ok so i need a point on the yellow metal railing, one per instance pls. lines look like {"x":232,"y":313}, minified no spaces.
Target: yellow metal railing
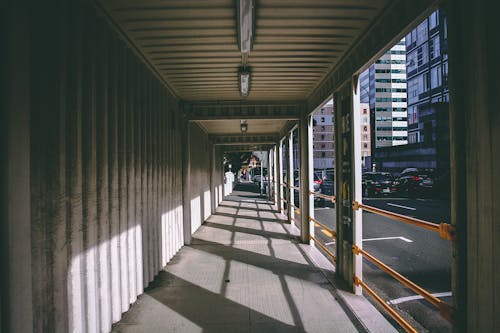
{"x":445,"y":231}
{"x":331,"y":198}
{"x":390,"y":310}
{"x":324,"y":248}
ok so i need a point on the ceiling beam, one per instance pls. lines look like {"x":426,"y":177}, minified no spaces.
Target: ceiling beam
{"x":242,"y":110}
{"x":244,"y":139}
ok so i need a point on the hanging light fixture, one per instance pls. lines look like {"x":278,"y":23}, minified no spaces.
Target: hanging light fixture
{"x":243,"y":126}
{"x":244,"y":82}
{"x":245,"y":25}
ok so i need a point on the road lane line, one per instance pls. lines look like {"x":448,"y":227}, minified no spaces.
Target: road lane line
{"x":415,"y":297}
{"x":404,"y":239}
{"x":330,"y":243}
{"x":401,"y":206}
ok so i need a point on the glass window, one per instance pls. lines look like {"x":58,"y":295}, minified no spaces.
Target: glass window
{"x":422,"y":33}
{"x":434,"y":48}
{"x":433,"y":20}
{"x":435,"y":77}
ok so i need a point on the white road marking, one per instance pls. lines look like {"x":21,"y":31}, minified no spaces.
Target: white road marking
{"x":412,"y":298}
{"x":384,"y":238}
{"x":400,"y":206}
{"x":330,"y":243}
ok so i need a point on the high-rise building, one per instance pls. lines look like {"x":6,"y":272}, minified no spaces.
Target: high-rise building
{"x":383,"y":86}
{"x":427,"y":76}
{"x":323,"y":151}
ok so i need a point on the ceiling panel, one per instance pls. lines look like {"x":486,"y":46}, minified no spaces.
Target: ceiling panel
{"x":193,"y":45}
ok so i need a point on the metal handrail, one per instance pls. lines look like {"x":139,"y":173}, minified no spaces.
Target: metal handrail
{"x":444,"y":309}
{"x":324,"y":248}
{"x":391,"y":311}
{"x":334,"y":234}
{"x":332,"y":198}
{"x":445,"y":230}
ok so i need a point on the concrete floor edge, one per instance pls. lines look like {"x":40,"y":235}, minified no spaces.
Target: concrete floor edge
{"x":365,"y":317}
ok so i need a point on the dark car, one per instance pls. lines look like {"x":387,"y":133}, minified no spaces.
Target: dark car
{"x":415,"y":182}
{"x":326,"y":187}
{"x":316,"y":188}
{"x":377,"y":183}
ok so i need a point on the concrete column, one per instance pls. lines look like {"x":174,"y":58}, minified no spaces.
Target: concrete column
{"x":279,"y":176}
{"x":306,"y":177}
{"x":212,"y":177}
{"x":289,"y":160}
{"x":276,"y":180}
{"x":475,"y":177}
{"x":356,"y":178}
{"x":347,"y":181}
{"x":270,"y":178}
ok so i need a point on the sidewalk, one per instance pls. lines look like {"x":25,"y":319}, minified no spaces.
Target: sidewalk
{"x":244,"y":272}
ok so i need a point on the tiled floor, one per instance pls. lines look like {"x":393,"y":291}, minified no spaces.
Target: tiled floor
{"x":244,"y":272}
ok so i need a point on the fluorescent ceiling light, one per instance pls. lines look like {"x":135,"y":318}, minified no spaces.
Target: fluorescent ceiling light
{"x":245,"y":25}
{"x":243,"y":126}
{"x":244,"y":83}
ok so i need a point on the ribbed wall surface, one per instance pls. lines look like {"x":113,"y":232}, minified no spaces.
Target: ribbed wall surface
{"x":106,"y":191}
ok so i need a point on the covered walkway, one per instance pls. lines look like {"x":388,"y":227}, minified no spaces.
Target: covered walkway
{"x":245,"y":271}
{"x":116,"y":120}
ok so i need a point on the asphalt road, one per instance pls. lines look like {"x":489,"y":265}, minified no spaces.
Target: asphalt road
{"x":420,"y":255}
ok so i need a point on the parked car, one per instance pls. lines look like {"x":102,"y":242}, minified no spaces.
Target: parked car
{"x":316,"y":188}
{"x":377,"y":183}
{"x":326,"y":187}
{"x":256,"y":179}
{"x":415,"y":182}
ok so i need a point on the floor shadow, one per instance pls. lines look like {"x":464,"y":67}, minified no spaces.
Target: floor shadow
{"x":264,"y":219}
{"x":263,"y":233}
{"x":248,"y":208}
{"x":210,"y":311}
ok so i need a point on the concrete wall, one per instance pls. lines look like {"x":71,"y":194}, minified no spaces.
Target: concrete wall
{"x":94,"y":180}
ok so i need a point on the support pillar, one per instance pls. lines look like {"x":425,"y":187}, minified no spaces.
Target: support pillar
{"x":277,"y":178}
{"x":281,"y":180}
{"x":306,"y":177}
{"x":348,"y":181}
{"x":475,"y":177}
{"x":290,"y":180}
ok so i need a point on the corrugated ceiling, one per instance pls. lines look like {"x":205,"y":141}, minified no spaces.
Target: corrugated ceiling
{"x":193,"y":43}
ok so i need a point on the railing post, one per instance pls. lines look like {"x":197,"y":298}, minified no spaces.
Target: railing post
{"x":306,"y":178}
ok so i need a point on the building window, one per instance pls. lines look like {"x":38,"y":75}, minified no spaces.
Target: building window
{"x":322,"y":119}
{"x":433,"y":20}
{"x":365,"y":145}
{"x":322,"y":137}
{"x":365,"y":128}
{"x":435,"y":77}
{"x":434,"y":48}
{"x":323,"y":154}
